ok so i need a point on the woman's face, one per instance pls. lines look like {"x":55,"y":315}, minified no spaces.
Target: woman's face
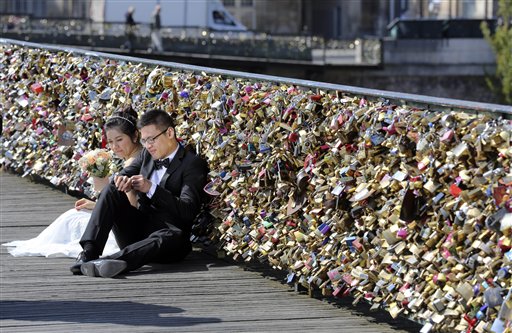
{"x":121,"y":144}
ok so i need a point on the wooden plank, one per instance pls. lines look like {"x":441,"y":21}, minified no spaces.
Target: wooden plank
{"x":201,"y":294}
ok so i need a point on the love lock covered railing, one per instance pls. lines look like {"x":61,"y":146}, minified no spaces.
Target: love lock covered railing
{"x":399,"y":200}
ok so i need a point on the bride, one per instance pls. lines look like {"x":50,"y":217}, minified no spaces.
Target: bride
{"x":61,"y":238}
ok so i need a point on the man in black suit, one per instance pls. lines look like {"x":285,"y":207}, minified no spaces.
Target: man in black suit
{"x":169,"y":181}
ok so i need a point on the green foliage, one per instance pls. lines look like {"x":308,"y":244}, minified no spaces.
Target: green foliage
{"x":501,"y":43}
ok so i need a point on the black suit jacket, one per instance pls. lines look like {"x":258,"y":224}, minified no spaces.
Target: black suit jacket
{"x":179,"y":195}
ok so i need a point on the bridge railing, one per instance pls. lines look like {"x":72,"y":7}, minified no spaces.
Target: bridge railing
{"x":416,"y":100}
{"x":200,"y":40}
{"x":391,"y":198}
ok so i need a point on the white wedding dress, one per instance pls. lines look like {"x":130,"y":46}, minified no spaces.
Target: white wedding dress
{"x":60,"y":239}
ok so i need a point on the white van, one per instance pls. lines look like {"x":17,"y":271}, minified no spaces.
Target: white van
{"x":210,"y":14}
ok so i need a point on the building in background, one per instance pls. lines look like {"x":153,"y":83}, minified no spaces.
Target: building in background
{"x":275,"y":17}
{"x":341,"y":19}
{"x":336,"y":19}
{"x":442,"y":9}
{"x":78,"y":9}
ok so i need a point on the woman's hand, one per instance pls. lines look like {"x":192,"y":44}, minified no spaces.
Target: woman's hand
{"x":123,"y":183}
{"x":84,"y":204}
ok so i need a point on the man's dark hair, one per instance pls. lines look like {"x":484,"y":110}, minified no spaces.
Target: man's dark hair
{"x":159,"y":118}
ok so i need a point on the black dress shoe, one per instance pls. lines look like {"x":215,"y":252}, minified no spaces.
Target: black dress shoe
{"x":83,"y":257}
{"x":107,"y":268}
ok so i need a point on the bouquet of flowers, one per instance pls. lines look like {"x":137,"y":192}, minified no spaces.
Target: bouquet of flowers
{"x":97,"y":163}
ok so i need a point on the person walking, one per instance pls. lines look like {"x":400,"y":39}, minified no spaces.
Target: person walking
{"x":129,"y":30}
{"x":156,"y":25}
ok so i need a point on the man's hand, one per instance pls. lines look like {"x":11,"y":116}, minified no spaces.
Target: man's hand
{"x":123,"y":183}
{"x":141,"y":184}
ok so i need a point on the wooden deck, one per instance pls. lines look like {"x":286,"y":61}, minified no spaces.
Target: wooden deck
{"x":202,"y":294}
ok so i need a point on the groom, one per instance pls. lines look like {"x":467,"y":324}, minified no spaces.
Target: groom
{"x":169,"y":181}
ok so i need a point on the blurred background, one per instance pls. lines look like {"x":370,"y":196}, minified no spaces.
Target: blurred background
{"x":427,"y":47}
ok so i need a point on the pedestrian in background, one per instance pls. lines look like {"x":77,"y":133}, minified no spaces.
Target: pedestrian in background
{"x":156,"y":38}
{"x":129,"y":29}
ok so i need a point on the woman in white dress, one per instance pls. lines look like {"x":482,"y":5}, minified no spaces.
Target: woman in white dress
{"x":61,"y":238}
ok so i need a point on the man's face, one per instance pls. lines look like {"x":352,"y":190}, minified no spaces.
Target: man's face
{"x":159,"y":142}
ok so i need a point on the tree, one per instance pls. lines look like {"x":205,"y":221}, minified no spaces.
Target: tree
{"x":501,"y":43}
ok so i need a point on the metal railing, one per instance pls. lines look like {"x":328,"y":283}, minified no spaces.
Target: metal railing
{"x":420,"y":101}
{"x":414,"y":100}
{"x":199,"y":40}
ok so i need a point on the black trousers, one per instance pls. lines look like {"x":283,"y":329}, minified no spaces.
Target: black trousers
{"x":141,"y":238}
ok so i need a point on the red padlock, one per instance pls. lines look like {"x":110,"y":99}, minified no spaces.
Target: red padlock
{"x":504,"y":244}
{"x":455,"y":190}
{"x":293,"y":137}
{"x":86,"y":117}
{"x":37,"y":88}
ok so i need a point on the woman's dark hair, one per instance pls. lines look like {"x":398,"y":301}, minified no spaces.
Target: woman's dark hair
{"x":124,"y":120}
{"x":159,"y":118}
